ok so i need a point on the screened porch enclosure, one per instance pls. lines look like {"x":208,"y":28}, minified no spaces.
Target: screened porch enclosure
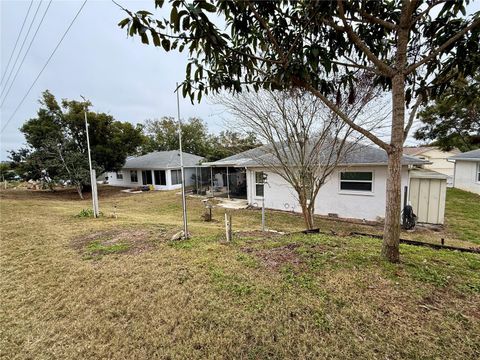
{"x":228,"y":182}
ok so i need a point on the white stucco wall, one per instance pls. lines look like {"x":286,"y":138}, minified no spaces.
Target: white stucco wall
{"x":466,"y":176}
{"x":126,"y":182}
{"x":346,"y":204}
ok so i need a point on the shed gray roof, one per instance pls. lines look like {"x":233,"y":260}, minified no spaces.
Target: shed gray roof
{"x":162,"y":160}
{"x":360,"y":154}
{"x":473,"y":155}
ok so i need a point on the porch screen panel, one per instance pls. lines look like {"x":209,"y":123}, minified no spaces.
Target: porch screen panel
{"x":176,"y":177}
{"x":159,"y":177}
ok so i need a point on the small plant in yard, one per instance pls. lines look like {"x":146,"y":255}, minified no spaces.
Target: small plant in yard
{"x":87,"y":213}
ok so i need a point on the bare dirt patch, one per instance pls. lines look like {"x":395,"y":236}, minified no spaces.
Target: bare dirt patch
{"x":276,"y":257}
{"x":119,"y":241}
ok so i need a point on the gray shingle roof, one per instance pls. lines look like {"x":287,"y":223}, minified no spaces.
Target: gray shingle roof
{"x":473,"y":155}
{"x":360,"y":154}
{"x":162,"y":160}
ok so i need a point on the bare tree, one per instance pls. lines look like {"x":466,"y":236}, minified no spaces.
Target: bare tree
{"x":304,"y":140}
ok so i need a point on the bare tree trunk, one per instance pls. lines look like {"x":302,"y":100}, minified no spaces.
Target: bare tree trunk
{"x":307,"y":213}
{"x":79,"y":190}
{"x":391,"y":237}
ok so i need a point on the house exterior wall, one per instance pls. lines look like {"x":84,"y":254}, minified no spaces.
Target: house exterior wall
{"x":126,"y":181}
{"x":439,"y":161}
{"x":466,"y":176}
{"x":330,"y":200}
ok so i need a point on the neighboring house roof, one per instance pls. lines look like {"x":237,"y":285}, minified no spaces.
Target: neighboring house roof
{"x":418,"y":150}
{"x":359,"y":154}
{"x":473,"y":155}
{"x":162,"y":160}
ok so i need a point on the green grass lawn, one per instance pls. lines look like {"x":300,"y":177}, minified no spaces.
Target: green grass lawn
{"x":463,"y":215}
{"x":82,"y":288}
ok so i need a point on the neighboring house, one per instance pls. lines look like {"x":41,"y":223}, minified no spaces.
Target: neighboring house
{"x":356,"y":189}
{"x":161,"y":169}
{"x":438,"y":159}
{"x":467,"y":171}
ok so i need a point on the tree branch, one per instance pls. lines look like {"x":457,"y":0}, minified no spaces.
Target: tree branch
{"x":412,"y":116}
{"x":384,"y":68}
{"x":441,"y":48}
{"x":345,"y":118}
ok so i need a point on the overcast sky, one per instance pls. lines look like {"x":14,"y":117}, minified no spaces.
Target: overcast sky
{"x":119,"y":75}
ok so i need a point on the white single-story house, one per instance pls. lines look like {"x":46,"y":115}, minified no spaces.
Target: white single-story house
{"x":161,"y":169}
{"x":467,"y":171}
{"x":438,"y":159}
{"x":356,"y":189}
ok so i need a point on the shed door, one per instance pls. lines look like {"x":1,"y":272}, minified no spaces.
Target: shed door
{"x":427,"y":197}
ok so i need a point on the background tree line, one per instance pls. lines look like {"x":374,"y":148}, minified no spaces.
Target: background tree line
{"x":162,"y":134}
{"x":56,"y":144}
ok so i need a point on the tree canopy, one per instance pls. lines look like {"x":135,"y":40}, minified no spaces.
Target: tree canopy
{"x":57,"y":144}
{"x":453,"y":119}
{"x":162,"y":134}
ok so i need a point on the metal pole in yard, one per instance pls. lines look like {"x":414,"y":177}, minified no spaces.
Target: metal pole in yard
{"x":92,"y":176}
{"x":184,"y":200}
{"x":263,"y":212}
{"x":228,"y":185}
{"x":211,"y":182}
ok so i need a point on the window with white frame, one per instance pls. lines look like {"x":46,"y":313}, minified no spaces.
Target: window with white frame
{"x":119,"y":175}
{"x":259,"y":183}
{"x":356,"y":181}
{"x":478,"y":172}
{"x":176,"y":177}
{"x":133,"y":176}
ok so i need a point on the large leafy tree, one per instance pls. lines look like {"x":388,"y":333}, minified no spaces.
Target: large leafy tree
{"x":230,"y":142}
{"x":162,"y":135}
{"x":407,"y":46}
{"x":453,"y":119}
{"x":57,"y":143}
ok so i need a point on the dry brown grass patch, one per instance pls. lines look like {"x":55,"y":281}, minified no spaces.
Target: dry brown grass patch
{"x":119,"y":241}
{"x":276,"y":258}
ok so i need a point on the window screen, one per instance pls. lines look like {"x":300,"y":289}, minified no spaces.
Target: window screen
{"x":176,"y":177}
{"x":159,"y":177}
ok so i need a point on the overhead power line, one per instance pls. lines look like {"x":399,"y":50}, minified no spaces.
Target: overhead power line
{"x":21,"y":47}
{"x":44,"y":66}
{"x":16,"y":41}
{"x":25,"y":55}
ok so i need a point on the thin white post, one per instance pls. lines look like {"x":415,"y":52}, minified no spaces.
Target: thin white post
{"x":93,"y":179}
{"x":263,"y":212}
{"x":228,"y":227}
{"x":184,"y":200}
{"x":228,"y":185}
{"x":211,"y":182}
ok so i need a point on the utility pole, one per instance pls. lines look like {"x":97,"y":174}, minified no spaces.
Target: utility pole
{"x":184,"y":200}
{"x":93,"y":177}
